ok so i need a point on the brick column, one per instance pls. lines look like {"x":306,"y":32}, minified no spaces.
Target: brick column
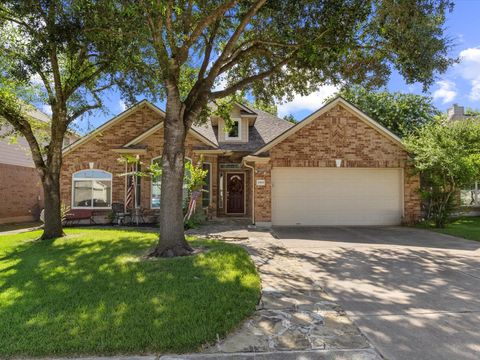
{"x":263,"y":194}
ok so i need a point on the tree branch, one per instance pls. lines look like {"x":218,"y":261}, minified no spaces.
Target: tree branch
{"x":246,"y":81}
{"x":234,"y":38}
{"x":198,"y":30}
{"x":208,"y":51}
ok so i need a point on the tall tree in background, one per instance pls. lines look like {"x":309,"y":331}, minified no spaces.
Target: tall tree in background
{"x":47,"y":57}
{"x":270,"y":49}
{"x":399,"y":112}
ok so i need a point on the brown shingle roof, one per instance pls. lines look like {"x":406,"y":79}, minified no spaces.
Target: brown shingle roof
{"x":266,"y":128}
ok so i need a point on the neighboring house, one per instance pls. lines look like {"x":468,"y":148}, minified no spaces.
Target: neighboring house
{"x":336,"y":167}
{"x":21,"y":193}
{"x":468,"y":199}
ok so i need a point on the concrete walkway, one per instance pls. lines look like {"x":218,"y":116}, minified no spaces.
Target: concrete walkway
{"x":295,"y":318}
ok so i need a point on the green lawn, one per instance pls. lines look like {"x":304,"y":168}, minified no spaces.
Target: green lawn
{"x":92,"y":292}
{"x":467,"y":227}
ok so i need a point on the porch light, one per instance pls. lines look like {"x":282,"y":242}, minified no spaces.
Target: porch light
{"x":91,"y":165}
{"x":338,"y":162}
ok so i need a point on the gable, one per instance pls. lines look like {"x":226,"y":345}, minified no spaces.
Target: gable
{"x":128,"y":128}
{"x":122,"y":128}
{"x":337,"y":102}
{"x":338,"y":134}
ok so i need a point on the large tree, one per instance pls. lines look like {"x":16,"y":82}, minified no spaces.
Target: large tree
{"x":269,"y":49}
{"x":47,"y":57}
{"x":401,"y":113}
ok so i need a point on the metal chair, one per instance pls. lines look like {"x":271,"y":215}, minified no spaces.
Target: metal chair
{"x":118,"y":213}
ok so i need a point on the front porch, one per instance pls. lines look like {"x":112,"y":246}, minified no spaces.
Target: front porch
{"x":135,"y":200}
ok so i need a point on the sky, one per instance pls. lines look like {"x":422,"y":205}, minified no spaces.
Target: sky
{"x":460,"y":84}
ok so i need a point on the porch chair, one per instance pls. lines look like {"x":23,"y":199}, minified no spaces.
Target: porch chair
{"x":118,"y":211}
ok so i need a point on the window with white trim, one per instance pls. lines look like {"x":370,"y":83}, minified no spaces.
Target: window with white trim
{"x":471,"y":195}
{"x":157,"y":186}
{"x":92,"y":189}
{"x":235,"y":131}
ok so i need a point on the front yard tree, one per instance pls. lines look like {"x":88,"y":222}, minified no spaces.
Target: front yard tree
{"x":47,"y":57}
{"x":447,"y":155}
{"x":197,"y":52}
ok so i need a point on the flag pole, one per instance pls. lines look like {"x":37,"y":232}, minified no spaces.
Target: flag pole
{"x":136,"y":179}
{"x":125,"y":192}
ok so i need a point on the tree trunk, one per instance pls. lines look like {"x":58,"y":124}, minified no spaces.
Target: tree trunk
{"x":52,"y":216}
{"x":172,"y":237}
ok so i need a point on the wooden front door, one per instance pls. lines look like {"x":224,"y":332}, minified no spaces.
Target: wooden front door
{"x":236,"y":193}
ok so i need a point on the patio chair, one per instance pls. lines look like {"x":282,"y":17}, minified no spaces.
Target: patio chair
{"x":118,"y":211}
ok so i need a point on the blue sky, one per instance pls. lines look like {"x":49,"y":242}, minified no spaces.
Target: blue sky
{"x":461,"y":83}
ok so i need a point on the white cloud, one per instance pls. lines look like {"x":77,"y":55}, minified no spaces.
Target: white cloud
{"x":446,"y":91}
{"x":122,"y":105}
{"x":469,"y":69}
{"x":310,"y":102}
{"x":475,"y":91}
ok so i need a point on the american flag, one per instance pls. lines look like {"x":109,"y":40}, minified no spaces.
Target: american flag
{"x":130,"y":189}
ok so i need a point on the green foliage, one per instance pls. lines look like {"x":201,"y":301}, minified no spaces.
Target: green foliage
{"x":94,"y":293}
{"x":472,"y":112}
{"x":401,"y":113}
{"x":64,"y":210}
{"x":195,"y":176}
{"x":447,"y":155}
{"x":267,"y":105}
{"x":276,"y":49}
{"x":198,"y":218}
{"x":290,"y":118}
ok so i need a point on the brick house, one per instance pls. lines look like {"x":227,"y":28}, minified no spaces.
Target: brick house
{"x":336,"y":167}
{"x":21,"y":192}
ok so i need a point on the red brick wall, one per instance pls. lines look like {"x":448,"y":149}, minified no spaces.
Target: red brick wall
{"x":263,"y":203}
{"x":98,"y":151}
{"x":21,"y":193}
{"x":338,"y":134}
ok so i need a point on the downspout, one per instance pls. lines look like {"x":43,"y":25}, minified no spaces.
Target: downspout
{"x":253,"y":189}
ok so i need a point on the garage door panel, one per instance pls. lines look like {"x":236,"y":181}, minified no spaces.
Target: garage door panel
{"x":332,"y":196}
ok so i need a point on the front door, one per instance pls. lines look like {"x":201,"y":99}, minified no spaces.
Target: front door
{"x":235,"y":193}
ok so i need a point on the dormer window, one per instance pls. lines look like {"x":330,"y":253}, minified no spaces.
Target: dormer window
{"x":235,"y":130}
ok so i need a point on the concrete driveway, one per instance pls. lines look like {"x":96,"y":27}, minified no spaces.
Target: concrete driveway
{"x":414,"y":293}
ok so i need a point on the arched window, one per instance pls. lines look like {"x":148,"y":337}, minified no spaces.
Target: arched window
{"x":92,"y":189}
{"x":157,"y":185}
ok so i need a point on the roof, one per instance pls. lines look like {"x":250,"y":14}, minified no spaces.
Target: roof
{"x":122,"y":116}
{"x":325,"y":108}
{"x":37,"y":114}
{"x":266,"y":128}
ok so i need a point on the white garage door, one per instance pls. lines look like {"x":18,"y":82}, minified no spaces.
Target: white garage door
{"x":336,"y":196}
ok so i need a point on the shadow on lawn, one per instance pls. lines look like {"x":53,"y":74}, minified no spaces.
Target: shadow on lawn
{"x":89,"y":295}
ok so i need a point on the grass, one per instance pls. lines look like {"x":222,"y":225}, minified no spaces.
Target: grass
{"x":17,"y":226}
{"x":465,"y":227}
{"x":92,"y":293}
